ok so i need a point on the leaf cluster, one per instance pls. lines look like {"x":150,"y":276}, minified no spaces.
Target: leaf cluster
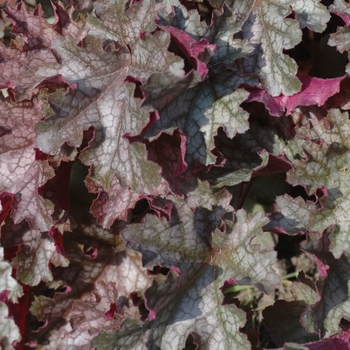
{"x":174,"y":175}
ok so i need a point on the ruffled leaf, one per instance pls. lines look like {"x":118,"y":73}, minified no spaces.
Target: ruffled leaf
{"x":108,"y":104}
{"x":198,"y":269}
{"x":314,"y":91}
{"x":342,"y":9}
{"x":247,"y":155}
{"x":93,"y":297}
{"x":115,"y":206}
{"x":199,"y":111}
{"x":9,"y":332}
{"x":270,"y":33}
{"x":36,"y":253}
{"x":325,"y":168}
{"x":220,"y":34}
{"x":21,"y":174}
{"x":311,"y":14}
{"x":123,"y":21}
{"x":7,"y":282}
{"x":21,"y":61}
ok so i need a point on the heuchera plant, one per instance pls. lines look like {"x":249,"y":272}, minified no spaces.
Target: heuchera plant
{"x":155,"y":155}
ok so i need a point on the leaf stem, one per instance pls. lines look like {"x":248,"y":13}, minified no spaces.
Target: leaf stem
{"x":243,"y":191}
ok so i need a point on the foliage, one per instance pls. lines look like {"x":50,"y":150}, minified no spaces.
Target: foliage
{"x":160,"y":161}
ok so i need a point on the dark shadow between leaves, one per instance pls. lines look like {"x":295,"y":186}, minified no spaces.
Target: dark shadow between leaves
{"x":179,"y":297}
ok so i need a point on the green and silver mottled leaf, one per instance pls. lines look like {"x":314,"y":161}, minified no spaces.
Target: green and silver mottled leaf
{"x":291,"y":214}
{"x":105,"y":100}
{"x":340,"y":6}
{"x":123,"y":22}
{"x":340,"y":39}
{"x":326,"y":166}
{"x":37,"y":254}
{"x":168,"y":5}
{"x":270,"y":33}
{"x":198,"y":112}
{"x":324,"y":316}
{"x":190,"y":300}
{"x":20,"y":173}
{"x":7,"y":282}
{"x":197,"y":309}
{"x":85,"y":307}
{"x":310,"y":13}
{"x":9,"y":332}
{"x":246,"y":153}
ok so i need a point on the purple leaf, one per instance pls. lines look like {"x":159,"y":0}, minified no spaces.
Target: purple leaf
{"x":314,"y":91}
{"x":199,"y":53}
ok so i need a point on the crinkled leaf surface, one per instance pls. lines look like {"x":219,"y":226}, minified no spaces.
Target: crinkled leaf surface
{"x":246,"y":154}
{"x":10,"y":289}
{"x":123,"y":21}
{"x":104,"y":99}
{"x":220,"y":33}
{"x":168,"y":151}
{"x":151,"y":96}
{"x":20,"y":173}
{"x":341,"y":39}
{"x":268,"y":30}
{"x":9,"y":331}
{"x":107,"y":208}
{"x":292,"y":215}
{"x":198,"y":309}
{"x":7,"y":282}
{"x":198,"y":53}
{"x":20,"y":62}
{"x":199,"y":111}
{"x":190,"y":299}
{"x":235,"y":249}
{"x":169,"y":5}
{"x":327,"y":300}
{"x":311,"y":14}
{"x":342,"y":9}
{"x":326,"y":166}
{"x":257,"y":32}
{"x":326,"y":169}
{"x":96,"y":285}
{"x":324,"y":315}
{"x":270,"y":33}
{"x":36,"y":253}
